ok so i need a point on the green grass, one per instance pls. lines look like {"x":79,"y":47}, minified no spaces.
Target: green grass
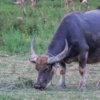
{"x":15,"y":37}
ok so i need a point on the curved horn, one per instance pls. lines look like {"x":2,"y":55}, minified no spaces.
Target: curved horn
{"x":60,"y":56}
{"x":32,"y":52}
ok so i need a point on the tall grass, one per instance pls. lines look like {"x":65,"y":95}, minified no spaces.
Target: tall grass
{"x":15,"y":37}
{"x":15,"y":41}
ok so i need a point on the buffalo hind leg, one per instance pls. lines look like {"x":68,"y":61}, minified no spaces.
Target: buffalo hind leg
{"x":61,"y":83}
{"x":82,"y":69}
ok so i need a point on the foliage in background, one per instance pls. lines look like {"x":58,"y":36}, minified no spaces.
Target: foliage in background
{"x":16,"y":36}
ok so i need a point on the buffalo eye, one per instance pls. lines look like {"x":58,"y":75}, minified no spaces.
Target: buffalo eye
{"x":46,"y":69}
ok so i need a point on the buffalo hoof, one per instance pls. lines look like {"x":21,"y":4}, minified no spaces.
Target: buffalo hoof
{"x":82,"y":86}
{"x":98,"y":84}
{"x":61,"y":86}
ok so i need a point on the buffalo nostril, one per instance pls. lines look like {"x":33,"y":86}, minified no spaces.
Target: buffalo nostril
{"x":37,"y":86}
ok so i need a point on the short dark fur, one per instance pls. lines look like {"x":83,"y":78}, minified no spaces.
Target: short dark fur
{"x":82,"y":32}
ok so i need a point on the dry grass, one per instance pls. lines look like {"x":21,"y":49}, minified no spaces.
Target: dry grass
{"x":14,"y":69}
{"x":18,"y":75}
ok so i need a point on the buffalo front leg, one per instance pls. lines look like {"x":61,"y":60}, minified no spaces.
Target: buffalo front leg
{"x":82,"y":70}
{"x":61,"y":83}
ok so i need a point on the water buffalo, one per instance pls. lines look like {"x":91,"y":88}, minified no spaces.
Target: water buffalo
{"x":77,"y":38}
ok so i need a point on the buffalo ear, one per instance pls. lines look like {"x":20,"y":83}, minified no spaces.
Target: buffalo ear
{"x":32,"y":61}
{"x":54,"y":67}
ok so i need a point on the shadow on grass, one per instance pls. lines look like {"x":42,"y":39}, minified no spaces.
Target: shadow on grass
{"x":17,"y":84}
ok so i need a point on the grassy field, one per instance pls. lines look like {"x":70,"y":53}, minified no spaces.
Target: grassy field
{"x":17,"y":75}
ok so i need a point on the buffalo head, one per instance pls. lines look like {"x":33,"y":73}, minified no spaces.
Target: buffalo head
{"x":45,"y":65}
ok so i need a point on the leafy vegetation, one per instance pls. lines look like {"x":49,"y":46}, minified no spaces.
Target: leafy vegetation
{"x":16,"y":36}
